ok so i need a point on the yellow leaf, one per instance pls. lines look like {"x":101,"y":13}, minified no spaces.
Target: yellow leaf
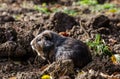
{"x":12,"y":78}
{"x":44,"y":4}
{"x":46,"y":77}
{"x":112,"y":10}
{"x":115,"y":58}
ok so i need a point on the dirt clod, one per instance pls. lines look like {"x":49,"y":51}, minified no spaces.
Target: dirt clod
{"x":61,"y":22}
{"x":6,"y":18}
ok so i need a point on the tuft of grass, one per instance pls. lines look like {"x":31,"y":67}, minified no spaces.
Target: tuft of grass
{"x":70,"y":12}
{"x":104,"y":6}
{"x":42,"y":9}
{"x":98,"y":46}
{"x":95,"y":7}
{"x":87,"y":2}
{"x":108,"y":6}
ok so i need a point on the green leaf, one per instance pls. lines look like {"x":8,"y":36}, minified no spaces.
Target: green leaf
{"x":108,"y":6}
{"x":70,"y":12}
{"x":98,"y":46}
{"x":42,"y":9}
{"x":87,"y":2}
{"x":97,"y":39}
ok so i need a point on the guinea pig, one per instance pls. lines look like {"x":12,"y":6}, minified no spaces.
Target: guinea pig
{"x":54,"y":47}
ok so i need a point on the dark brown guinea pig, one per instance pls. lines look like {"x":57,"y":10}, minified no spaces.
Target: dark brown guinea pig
{"x":52,"y":46}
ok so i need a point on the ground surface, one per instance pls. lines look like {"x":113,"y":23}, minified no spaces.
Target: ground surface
{"x":21,"y":21}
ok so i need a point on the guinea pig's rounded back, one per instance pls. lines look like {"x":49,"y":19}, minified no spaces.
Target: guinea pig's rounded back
{"x":82,"y":55}
{"x":77,"y":51}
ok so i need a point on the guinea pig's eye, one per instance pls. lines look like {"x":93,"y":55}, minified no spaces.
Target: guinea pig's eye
{"x":38,"y":39}
{"x":47,"y":38}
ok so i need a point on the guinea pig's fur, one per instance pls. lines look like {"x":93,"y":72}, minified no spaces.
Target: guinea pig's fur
{"x":52,"y":46}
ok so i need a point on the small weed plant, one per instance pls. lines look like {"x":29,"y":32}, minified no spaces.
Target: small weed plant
{"x":95,"y":7}
{"x":42,"y":9}
{"x":99,"y":47}
{"x":87,"y":2}
{"x":70,"y":12}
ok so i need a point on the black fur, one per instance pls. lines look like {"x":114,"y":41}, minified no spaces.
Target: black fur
{"x":56,"y":47}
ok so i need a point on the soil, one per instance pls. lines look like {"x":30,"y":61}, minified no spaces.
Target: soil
{"x":20,"y":23}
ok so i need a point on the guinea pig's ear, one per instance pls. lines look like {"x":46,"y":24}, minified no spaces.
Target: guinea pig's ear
{"x":48,"y":36}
